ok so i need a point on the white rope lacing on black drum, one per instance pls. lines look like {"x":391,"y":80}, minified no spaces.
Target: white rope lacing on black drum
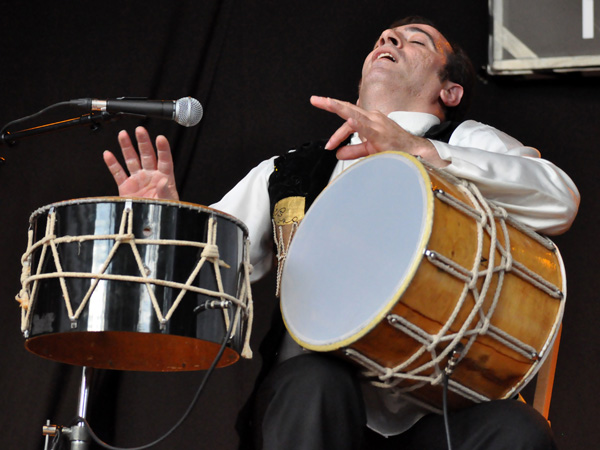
{"x":125,"y":236}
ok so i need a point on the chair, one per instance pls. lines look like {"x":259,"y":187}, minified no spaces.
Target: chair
{"x":545,"y":379}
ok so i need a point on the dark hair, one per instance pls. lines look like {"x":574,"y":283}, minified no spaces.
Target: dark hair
{"x":458,"y":69}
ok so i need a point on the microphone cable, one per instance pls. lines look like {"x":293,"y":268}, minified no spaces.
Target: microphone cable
{"x":454,"y":359}
{"x":445,"y":410}
{"x":24,"y":119}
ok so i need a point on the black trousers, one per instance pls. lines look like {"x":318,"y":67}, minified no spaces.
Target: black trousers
{"x":314,"y":402}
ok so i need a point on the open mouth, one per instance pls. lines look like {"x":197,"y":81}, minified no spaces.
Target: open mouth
{"x":386,"y":55}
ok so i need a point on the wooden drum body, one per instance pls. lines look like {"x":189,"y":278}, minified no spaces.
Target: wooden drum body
{"x":410,"y":272}
{"x":134,"y":284}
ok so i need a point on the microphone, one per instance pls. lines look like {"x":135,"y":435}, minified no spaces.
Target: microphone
{"x":186,"y":111}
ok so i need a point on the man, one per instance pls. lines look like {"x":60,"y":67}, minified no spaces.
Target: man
{"x":412,"y":81}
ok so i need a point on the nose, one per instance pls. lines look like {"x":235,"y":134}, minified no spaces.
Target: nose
{"x":390,"y":37}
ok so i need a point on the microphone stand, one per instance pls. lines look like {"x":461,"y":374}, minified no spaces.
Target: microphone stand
{"x":78,"y":434}
{"x":94,"y":120}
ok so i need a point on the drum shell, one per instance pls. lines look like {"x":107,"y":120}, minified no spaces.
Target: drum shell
{"x":119,"y":327}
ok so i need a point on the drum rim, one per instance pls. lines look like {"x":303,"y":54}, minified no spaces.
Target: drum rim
{"x":409,"y":274}
{"x":115,"y":199}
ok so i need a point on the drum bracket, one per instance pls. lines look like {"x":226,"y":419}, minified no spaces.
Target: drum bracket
{"x":213,"y":304}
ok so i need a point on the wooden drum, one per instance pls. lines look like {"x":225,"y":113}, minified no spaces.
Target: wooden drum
{"x":409,"y":272}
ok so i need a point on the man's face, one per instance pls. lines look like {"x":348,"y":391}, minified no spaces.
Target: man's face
{"x":408,"y":58}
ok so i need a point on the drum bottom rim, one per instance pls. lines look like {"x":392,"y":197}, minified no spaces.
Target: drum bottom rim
{"x":130,"y":351}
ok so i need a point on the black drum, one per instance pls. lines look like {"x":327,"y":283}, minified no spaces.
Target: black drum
{"x":135,"y":284}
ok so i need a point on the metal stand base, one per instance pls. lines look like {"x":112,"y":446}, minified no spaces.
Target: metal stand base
{"x":78,"y":434}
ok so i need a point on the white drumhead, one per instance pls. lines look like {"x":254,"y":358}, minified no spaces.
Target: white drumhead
{"x":356,"y":250}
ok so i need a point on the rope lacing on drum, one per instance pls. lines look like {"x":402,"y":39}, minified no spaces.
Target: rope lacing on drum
{"x":282,"y":245}
{"x":246,"y":298}
{"x":125,"y":235}
{"x":477,"y":323}
{"x":23,"y":296}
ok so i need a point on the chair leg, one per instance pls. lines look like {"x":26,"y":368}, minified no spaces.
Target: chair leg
{"x":545,"y":379}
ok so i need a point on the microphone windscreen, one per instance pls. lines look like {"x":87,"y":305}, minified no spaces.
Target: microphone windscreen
{"x":188,"y":111}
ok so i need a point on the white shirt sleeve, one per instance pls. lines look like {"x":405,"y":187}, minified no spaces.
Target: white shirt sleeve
{"x":249,"y":202}
{"x":515,"y":177}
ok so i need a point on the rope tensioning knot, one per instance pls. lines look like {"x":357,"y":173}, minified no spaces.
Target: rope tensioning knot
{"x":211,"y":252}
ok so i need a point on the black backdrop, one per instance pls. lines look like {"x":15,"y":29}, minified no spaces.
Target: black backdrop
{"x":253,"y":65}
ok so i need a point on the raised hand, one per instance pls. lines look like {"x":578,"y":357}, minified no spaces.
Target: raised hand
{"x":149,"y":176}
{"x":378,"y":132}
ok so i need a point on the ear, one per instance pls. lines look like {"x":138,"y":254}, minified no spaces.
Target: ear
{"x":451,"y":94}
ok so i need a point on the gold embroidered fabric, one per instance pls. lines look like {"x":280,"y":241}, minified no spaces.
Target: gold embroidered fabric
{"x":289,"y":210}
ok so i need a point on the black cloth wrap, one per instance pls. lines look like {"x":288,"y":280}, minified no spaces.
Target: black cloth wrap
{"x":303,"y":172}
